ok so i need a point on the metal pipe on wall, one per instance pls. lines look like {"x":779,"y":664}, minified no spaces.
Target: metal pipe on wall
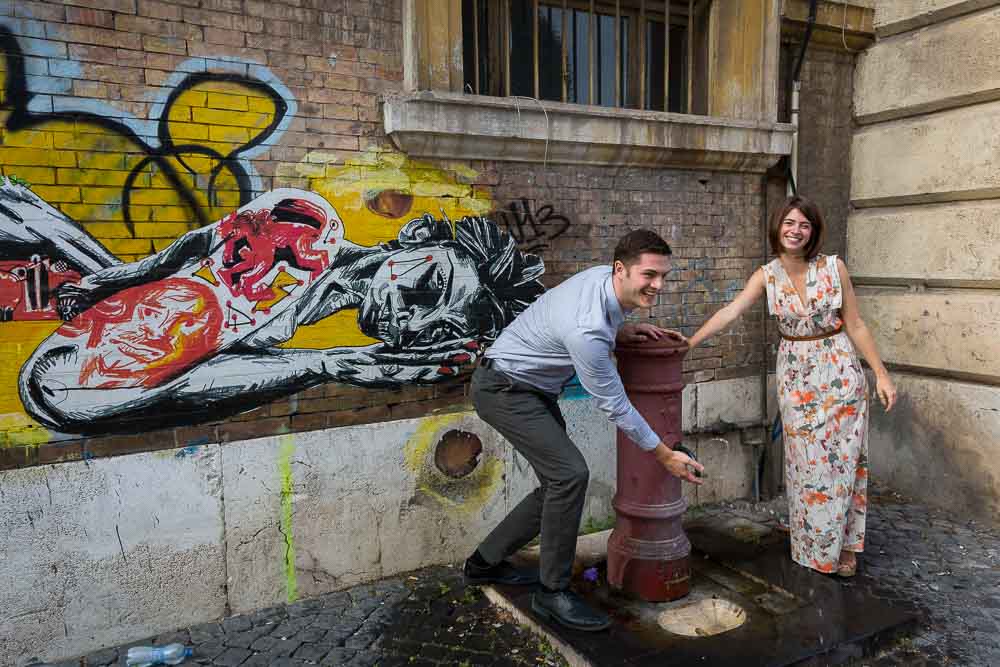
{"x":758,"y":457}
{"x":793,"y":161}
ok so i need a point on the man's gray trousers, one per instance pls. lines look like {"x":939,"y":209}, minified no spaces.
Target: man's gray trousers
{"x":531,"y":422}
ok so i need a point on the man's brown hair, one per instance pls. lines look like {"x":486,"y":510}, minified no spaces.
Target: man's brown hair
{"x":809,"y":209}
{"x":633,"y":244}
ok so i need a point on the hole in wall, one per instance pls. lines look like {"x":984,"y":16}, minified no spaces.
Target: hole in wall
{"x":389,"y":203}
{"x":457,"y":453}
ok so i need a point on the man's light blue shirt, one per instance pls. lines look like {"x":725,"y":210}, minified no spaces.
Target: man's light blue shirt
{"x":572,"y":328}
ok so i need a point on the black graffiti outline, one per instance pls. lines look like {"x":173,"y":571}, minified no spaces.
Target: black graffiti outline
{"x":17,"y":98}
{"x":542,"y":217}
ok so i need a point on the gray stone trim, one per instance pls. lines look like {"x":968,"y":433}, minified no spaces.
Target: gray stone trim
{"x":477,"y":127}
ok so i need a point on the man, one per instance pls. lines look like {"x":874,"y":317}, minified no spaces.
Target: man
{"x":571,"y":328}
{"x":195,"y":331}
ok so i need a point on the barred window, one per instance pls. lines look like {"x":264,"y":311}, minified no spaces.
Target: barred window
{"x":610,"y":53}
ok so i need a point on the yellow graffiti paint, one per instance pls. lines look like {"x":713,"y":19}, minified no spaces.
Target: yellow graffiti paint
{"x":285,"y":451}
{"x":351,"y":188}
{"x":466,"y":495}
{"x":338,"y":330}
{"x":18,"y":429}
{"x":17,"y":341}
{"x":106,"y":180}
{"x":430,"y":189}
{"x":89,"y":170}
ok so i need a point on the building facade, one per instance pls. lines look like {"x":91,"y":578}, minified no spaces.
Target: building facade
{"x":248,"y":250}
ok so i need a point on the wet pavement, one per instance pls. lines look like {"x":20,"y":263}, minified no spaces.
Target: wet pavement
{"x":946,"y":569}
{"x":749,"y":604}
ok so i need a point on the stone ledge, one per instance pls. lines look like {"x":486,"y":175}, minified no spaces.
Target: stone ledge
{"x":478,"y":127}
{"x":892,"y":18}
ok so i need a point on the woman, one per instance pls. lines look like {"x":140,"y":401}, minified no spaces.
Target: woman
{"x":822,"y":391}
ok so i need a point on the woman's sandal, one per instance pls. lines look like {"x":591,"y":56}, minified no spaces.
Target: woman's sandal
{"x":845,"y":570}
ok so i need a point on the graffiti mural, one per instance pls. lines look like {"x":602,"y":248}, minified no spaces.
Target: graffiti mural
{"x":193,"y":331}
{"x":138,"y":183}
{"x":150,"y":277}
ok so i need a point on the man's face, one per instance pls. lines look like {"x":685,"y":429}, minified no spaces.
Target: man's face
{"x":420,"y":296}
{"x":639,"y":283}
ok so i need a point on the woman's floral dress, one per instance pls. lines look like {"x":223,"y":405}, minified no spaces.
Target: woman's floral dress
{"x":822,"y":394}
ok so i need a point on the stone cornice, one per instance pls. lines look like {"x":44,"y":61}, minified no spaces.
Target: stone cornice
{"x":477,"y":127}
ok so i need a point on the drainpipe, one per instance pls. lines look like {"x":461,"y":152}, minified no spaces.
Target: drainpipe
{"x":760,"y":456}
{"x":793,"y":162}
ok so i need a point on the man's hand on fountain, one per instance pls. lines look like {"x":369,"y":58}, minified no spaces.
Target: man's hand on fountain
{"x":679,"y":464}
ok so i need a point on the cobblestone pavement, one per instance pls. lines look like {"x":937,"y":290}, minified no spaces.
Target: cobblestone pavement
{"x":946,"y":568}
{"x":428,"y":617}
{"x":949,"y":568}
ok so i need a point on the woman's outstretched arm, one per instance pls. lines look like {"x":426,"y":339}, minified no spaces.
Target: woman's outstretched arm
{"x":725,"y":316}
{"x":859,"y":334}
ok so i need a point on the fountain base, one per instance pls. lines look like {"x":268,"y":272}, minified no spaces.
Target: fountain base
{"x":749,"y":605}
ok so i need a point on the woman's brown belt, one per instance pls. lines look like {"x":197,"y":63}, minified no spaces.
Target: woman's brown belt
{"x":828,"y":334}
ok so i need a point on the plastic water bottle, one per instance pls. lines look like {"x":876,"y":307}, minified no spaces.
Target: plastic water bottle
{"x":144,"y":656}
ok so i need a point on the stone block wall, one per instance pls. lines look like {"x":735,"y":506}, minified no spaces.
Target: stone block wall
{"x":923,"y":239}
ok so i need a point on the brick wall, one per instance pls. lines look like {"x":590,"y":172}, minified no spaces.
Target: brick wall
{"x":142,"y":120}
{"x":710,"y":220}
{"x":825,"y":128}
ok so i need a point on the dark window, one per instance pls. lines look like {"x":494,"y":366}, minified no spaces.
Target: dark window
{"x":579,"y":59}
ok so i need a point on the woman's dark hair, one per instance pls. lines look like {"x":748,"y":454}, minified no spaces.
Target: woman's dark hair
{"x":809,"y":209}
{"x":635,"y":243}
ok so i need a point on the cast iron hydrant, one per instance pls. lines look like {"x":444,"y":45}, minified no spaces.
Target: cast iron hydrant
{"x":648,"y":552}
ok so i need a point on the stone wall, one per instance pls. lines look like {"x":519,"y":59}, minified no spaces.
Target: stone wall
{"x":923,"y":242}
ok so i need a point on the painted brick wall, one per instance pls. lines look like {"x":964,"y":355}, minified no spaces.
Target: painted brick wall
{"x":143,"y":121}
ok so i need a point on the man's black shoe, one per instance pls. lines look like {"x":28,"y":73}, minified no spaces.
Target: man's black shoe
{"x":566,"y":608}
{"x":501,"y":573}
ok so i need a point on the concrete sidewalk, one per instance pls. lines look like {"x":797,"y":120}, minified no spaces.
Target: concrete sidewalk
{"x":947,"y":569}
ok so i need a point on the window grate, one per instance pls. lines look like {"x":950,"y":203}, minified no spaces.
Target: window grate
{"x":635,"y":54}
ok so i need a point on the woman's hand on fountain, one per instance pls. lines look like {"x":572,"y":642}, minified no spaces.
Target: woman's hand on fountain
{"x":679,"y":464}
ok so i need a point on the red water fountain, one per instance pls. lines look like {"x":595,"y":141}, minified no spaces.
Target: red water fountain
{"x":648,"y":553}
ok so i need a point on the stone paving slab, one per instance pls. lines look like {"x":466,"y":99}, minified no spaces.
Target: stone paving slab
{"x":946,"y":567}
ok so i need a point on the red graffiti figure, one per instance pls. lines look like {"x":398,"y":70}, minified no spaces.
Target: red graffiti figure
{"x":256,"y":240}
{"x":144,"y":335}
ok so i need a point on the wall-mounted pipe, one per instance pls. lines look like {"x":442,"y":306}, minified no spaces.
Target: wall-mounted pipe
{"x":796,"y":85}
